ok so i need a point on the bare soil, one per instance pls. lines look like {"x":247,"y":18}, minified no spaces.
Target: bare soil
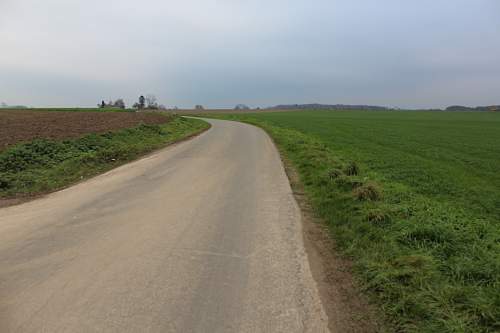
{"x":26,"y":125}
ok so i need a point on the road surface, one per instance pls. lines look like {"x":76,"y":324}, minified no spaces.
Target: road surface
{"x":203,"y":236}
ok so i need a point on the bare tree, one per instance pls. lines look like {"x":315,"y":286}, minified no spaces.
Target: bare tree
{"x":199,"y":107}
{"x":142,"y":102}
{"x":119,"y":103}
{"x":151,"y":101}
{"x":241,"y":107}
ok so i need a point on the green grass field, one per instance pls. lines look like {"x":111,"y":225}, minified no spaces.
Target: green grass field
{"x":414,"y":199}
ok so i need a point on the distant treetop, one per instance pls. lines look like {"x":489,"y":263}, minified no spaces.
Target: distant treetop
{"x":241,"y":107}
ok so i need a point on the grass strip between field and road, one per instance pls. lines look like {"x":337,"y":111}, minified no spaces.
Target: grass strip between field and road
{"x":427,"y":254}
{"x":42,"y":165}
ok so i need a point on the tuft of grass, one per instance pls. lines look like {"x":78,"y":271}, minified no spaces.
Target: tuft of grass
{"x":47,"y":165}
{"x":334,"y":174}
{"x":368,"y":191}
{"x":348,"y":182}
{"x":428,"y":250}
{"x":352,"y":169}
{"x":378,"y":217}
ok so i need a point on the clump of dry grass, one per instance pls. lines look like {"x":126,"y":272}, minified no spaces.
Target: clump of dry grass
{"x":369,"y":191}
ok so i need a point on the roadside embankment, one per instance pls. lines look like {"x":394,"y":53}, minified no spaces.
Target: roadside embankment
{"x":44,"y":165}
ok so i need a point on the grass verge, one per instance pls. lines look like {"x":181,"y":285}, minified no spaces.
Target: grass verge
{"x":432,"y":265}
{"x":45,"y":165}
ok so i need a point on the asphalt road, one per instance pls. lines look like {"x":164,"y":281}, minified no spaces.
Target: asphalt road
{"x":204,"y":236}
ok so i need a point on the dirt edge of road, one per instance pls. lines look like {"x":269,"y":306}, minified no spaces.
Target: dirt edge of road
{"x":347,"y":308}
{"x":8,"y":202}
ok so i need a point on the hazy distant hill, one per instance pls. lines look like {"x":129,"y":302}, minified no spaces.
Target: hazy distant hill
{"x":478,"y":108}
{"x":317,"y":106}
{"x":6,"y":106}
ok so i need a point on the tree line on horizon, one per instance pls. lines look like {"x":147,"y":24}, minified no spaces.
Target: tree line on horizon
{"x":148,"y":102}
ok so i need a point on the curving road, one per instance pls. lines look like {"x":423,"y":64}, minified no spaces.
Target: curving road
{"x":203,"y":236}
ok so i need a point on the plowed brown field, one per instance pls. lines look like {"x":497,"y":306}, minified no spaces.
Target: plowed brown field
{"x":25,"y":125}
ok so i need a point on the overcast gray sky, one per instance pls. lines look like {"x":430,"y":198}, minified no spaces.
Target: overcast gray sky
{"x":425,"y":53}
